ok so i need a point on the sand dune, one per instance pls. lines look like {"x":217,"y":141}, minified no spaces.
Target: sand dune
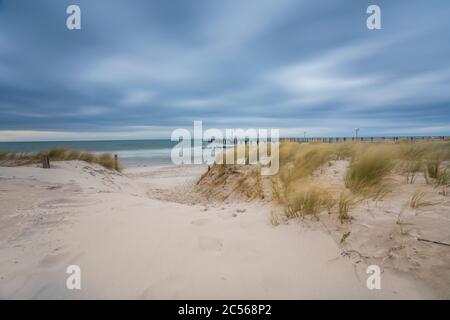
{"x":147,"y":234}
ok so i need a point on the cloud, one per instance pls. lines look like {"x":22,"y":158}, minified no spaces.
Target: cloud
{"x":128,"y":133}
{"x":134,"y":69}
{"x":331,"y":78}
{"x":326,"y":77}
{"x":138,"y":97}
{"x":287,"y":64}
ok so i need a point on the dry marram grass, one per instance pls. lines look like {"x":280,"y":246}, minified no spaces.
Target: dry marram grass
{"x":59,"y":154}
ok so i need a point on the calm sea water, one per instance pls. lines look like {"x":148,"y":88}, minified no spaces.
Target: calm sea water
{"x":131,"y":152}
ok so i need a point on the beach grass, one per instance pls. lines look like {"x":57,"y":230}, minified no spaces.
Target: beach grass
{"x":306,"y":201}
{"x":59,"y":154}
{"x":418,"y":201}
{"x":370,"y":166}
{"x":346,"y":201}
{"x":367,"y":170}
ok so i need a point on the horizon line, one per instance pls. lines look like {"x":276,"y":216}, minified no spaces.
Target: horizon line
{"x":280,"y":138}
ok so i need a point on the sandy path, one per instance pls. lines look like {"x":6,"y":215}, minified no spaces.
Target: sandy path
{"x":133,"y":242}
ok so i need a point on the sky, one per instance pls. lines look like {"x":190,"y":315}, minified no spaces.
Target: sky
{"x":140,"y":69}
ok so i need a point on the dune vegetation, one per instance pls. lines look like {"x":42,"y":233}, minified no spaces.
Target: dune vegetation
{"x":369,"y":167}
{"x":301,"y":189}
{"x":59,"y":154}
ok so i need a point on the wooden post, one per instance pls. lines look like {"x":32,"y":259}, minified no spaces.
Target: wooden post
{"x":247,"y":159}
{"x":45,"y":162}
{"x":224,"y":143}
{"x":116,"y":164}
{"x":257,"y":149}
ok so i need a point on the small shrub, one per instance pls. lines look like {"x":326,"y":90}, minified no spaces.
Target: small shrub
{"x":72,"y":155}
{"x":87,"y":156}
{"x":3,"y":155}
{"x":106,"y":160}
{"x":57,"y":154}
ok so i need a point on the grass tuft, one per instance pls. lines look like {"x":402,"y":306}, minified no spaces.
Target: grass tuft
{"x":346,"y":201}
{"x":307,"y":201}
{"x":366,"y":172}
{"x":443,"y":177}
{"x":417,"y":200}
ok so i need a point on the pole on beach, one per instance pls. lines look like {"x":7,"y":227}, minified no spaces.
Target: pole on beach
{"x":116,"y":166}
{"x":45,"y":162}
{"x":224,"y":151}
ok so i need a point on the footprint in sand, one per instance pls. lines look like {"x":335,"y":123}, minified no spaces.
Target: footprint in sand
{"x":52,"y":260}
{"x":210,"y":244}
{"x":200,"y":222}
{"x":54,"y":187}
{"x":58,"y":257}
{"x":57,"y":203}
{"x":166,"y":288}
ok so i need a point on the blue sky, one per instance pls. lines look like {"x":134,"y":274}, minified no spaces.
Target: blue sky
{"x":139,"y":69}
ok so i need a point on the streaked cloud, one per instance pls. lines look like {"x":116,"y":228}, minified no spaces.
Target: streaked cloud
{"x":157,"y":65}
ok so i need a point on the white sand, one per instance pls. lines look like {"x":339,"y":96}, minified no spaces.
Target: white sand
{"x":146,"y":234}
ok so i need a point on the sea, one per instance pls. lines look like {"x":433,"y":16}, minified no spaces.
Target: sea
{"x":130,"y":152}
